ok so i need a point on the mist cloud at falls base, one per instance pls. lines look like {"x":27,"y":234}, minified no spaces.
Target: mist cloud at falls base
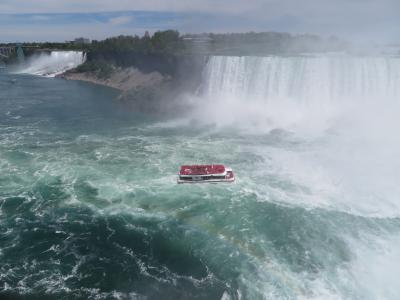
{"x":327,"y":127}
{"x":341,"y":111}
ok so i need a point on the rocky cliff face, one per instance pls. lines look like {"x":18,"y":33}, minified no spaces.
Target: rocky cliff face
{"x":153,"y":91}
{"x":120,"y":79}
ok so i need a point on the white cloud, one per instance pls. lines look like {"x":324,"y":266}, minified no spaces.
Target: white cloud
{"x":261,"y":7}
{"x":40,"y":18}
{"x":121,"y":20}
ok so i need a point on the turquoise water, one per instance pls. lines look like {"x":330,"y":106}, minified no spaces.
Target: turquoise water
{"x":90,"y":208}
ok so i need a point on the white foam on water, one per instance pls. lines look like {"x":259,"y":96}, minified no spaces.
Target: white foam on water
{"x":372,"y":274}
{"x":376,"y":268}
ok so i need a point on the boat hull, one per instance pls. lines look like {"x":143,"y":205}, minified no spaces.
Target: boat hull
{"x":181,"y":181}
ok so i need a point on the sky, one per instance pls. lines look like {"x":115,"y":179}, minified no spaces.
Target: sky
{"x":60,"y":20}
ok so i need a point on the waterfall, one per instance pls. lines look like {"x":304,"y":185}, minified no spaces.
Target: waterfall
{"x":296,"y":93}
{"x":53,"y":63}
{"x":312,"y":80}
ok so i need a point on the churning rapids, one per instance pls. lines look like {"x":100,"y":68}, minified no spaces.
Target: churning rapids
{"x":90,"y":209}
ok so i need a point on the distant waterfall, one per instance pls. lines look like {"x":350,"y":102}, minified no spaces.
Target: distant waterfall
{"x":54,"y":63}
{"x":20,"y":54}
{"x":306,"y":79}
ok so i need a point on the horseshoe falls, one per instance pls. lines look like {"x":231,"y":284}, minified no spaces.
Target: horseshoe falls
{"x":90,"y":208}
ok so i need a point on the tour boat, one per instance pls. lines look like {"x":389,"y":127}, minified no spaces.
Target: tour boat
{"x":205,"y":173}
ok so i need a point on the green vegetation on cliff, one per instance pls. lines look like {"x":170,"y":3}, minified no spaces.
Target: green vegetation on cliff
{"x":162,"y":42}
{"x":160,"y":52}
{"x":101,"y":69}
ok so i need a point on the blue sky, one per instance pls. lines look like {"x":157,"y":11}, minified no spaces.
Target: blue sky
{"x":59,"y":20}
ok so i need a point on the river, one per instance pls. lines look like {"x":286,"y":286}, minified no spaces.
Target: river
{"x":90,"y":208}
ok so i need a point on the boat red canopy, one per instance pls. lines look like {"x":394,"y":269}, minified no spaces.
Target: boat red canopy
{"x":202,"y":169}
